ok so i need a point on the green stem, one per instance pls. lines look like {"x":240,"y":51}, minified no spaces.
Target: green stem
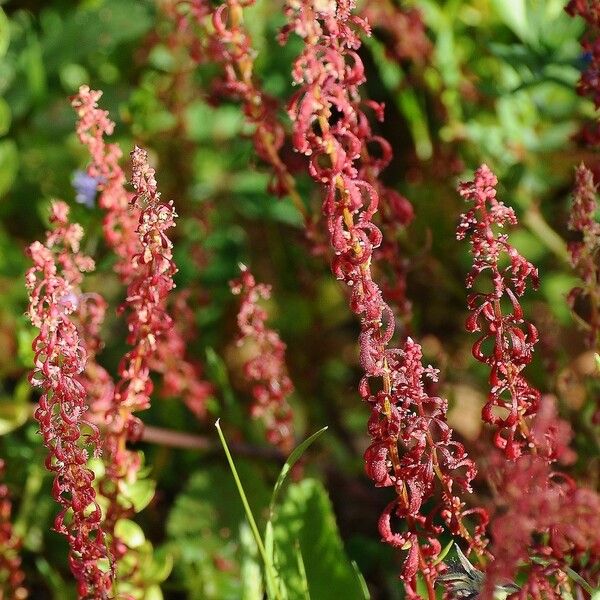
{"x":270,"y":574}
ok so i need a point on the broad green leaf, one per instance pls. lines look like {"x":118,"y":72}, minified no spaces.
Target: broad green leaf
{"x":140,"y":493}
{"x":306,"y":517}
{"x":130,"y":532}
{"x":153,"y":593}
{"x":4,"y":33}
{"x":162,"y":565}
{"x":514,"y":15}
{"x":202,"y":528}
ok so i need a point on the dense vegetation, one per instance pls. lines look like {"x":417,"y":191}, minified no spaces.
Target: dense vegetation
{"x":366,"y":230}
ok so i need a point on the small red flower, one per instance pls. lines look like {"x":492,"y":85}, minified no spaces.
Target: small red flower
{"x":506,"y":340}
{"x":266,"y":369}
{"x":60,"y":358}
{"x":11,"y":573}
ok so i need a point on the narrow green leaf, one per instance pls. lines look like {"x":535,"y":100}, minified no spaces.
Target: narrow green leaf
{"x":269,"y":570}
{"x":217,"y":371}
{"x":577,"y":578}
{"x":302,"y":570}
{"x":443,"y":553}
{"x":250,"y":572}
{"x":361,"y":581}
{"x":293,"y":458}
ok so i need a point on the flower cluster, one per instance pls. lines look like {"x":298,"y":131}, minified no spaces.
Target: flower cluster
{"x":226,"y":41}
{"x":589,"y":81}
{"x":122,"y":217}
{"x":412,"y":449}
{"x":120,"y":222}
{"x":411,"y":442}
{"x":182,"y":378}
{"x":506,"y":340}
{"x":233,"y":48}
{"x":402,"y":30}
{"x":147,"y":323}
{"x":95,"y":378}
{"x":59,"y":359}
{"x":11,"y":574}
{"x":266,"y":368}
{"x":585,"y":252}
{"x":546,"y":523}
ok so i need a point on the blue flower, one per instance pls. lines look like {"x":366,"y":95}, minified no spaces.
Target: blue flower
{"x":86,"y":186}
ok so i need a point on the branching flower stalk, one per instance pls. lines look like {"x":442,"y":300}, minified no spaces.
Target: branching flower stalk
{"x":585,"y":253}
{"x":230,"y":44}
{"x":96,"y":380}
{"x":59,"y":359}
{"x":147,"y":322}
{"x":548,"y":525}
{"x":12,"y":576}
{"x":122,"y":216}
{"x":266,"y":368}
{"x":411,"y":442}
{"x":506,"y":342}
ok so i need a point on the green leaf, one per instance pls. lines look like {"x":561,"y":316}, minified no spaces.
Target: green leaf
{"x":306,"y":517}
{"x":153,"y":593}
{"x":302,"y":572}
{"x":443,"y":553}
{"x":4,"y":33}
{"x":130,"y":532}
{"x":267,"y":560}
{"x":201,"y":530}
{"x":577,"y":578}
{"x":293,"y":458}
{"x":5,"y":116}
{"x":140,"y":493}
{"x":15,"y":410}
{"x":250,"y":572}
{"x":217,"y":371}
{"x":361,"y":582}
{"x":514,"y":15}
{"x":162,"y":565}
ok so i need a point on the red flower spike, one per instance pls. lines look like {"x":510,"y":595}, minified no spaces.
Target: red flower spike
{"x":266,"y":369}
{"x":544,"y":516}
{"x":12,"y":576}
{"x":511,"y":397}
{"x":147,"y":323}
{"x":585,"y":251}
{"x":59,"y":359}
{"x":411,"y":448}
{"x":180,"y":376}
{"x":120,"y":221}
